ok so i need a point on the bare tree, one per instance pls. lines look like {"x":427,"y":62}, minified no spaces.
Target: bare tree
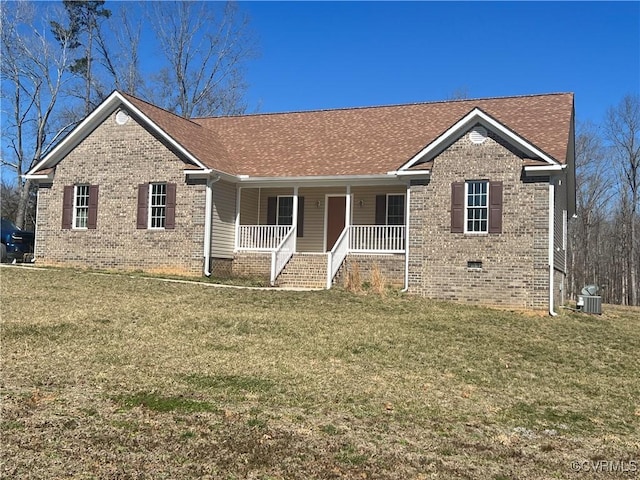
{"x":84,"y":19}
{"x":34,"y":70}
{"x":622,"y":127}
{"x":593,"y":195}
{"x":205,"y":45}
{"x":123,"y":35}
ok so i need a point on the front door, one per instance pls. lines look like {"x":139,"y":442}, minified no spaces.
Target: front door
{"x":336,"y":209}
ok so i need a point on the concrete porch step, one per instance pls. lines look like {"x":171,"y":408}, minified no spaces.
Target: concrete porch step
{"x":307,"y":270}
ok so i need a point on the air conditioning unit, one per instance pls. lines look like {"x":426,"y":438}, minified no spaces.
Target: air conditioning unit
{"x":590,"y":304}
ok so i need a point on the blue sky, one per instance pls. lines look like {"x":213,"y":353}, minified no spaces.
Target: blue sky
{"x":317,"y":55}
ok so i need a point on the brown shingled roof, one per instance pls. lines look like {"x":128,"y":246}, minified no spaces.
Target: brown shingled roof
{"x":355,"y":141}
{"x":201,"y":142}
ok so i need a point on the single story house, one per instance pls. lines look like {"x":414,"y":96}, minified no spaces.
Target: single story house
{"x":465,"y":200}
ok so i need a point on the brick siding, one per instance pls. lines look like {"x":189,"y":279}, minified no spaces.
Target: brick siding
{"x":391,"y":268}
{"x":514,"y":263}
{"x":118,"y":158}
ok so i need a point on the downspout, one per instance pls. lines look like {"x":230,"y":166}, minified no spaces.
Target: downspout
{"x":551,"y":243}
{"x":208,"y":222}
{"x":406,"y":239}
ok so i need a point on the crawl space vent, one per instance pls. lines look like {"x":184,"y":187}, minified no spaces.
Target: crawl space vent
{"x":478,"y":135}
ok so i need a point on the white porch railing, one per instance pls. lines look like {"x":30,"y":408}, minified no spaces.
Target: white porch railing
{"x":262,"y":237}
{"x":377,"y":238}
{"x":282,"y":254}
{"x":337,"y":255}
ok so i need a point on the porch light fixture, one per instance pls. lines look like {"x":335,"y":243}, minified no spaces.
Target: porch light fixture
{"x":318,"y":204}
{"x":361,"y":203}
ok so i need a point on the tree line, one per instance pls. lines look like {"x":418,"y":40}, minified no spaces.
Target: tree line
{"x":60,"y":60}
{"x":604,"y":248}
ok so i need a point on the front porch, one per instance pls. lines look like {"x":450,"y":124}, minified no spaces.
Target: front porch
{"x":302,"y":228}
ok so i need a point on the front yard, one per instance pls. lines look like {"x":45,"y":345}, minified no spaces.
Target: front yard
{"x":115,"y":376}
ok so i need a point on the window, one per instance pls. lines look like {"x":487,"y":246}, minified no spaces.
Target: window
{"x":285,"y":211}
{"x":157,"y":204}
{"x":390,"y":209}
{"x":476,"y":207}
{"x":280,"y":212}
{"x":477,"y":211}
{"x":81,"y":206}
{"x":395,"y":209}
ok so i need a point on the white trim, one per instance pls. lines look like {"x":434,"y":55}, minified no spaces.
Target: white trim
{"x":150,"y":206}
{"x":544,"y":169}
{"x":318,"y":181}
{"x":74,"y":216}
{"x":406,"y":239}
{"x":236,"y":243}
{"x":476,"y":116}
{"x":466,"y":208}
{"x":551,"y":239}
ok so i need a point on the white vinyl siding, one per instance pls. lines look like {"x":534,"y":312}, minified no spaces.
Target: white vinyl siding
{"x":223,"y":221}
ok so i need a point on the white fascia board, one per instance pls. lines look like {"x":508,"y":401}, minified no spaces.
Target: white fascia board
{"x":410,"y":173}
{"x":38,"y":178}
{"x":473,"y":117}
{"x":209,"y":172}
{"x":318,"y":181}
{"x":544,"y":169}
{"x":84,"y":128}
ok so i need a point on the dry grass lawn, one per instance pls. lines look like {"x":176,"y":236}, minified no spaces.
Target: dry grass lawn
{"x":120,"y":377}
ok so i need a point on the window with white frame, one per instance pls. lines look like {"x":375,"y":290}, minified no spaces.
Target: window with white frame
{"x":477,"y":206}
{"x":157,"y":205}
{"x":285,"y":211}
{"x":81,"y":206}
{"x":395,"y":209}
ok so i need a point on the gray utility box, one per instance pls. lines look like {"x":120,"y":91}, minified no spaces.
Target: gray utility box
{"x":590,"y":304}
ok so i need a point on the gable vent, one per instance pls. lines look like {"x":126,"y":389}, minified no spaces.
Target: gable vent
{"x":122,"y":117}
{"x":478,"y":134}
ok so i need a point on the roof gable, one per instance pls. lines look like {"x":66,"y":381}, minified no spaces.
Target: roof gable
{"x":194,"y":144}
{"x":471,"y":119}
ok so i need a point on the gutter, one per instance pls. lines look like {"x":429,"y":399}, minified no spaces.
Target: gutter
{"x":208,"y":221}
{"x":551,"y":243}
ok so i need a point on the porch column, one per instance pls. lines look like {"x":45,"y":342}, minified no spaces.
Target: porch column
{"x":238,"y":196}
{"x":294,"y":220}
{"x":407,"y":222}
{"x":347,"y":211}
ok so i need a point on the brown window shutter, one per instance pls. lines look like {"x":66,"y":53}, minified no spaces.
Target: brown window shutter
{"x":300,"y":226}
{"x":457,"y":207}
{"x":272,"y":206}
{"x":67,"y":207}
{"x":381,"y":209}
{"x":495,"y":207}
{"x":143,"y":200}
{"x":170,"y":212}
{"x":92,"y":221}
